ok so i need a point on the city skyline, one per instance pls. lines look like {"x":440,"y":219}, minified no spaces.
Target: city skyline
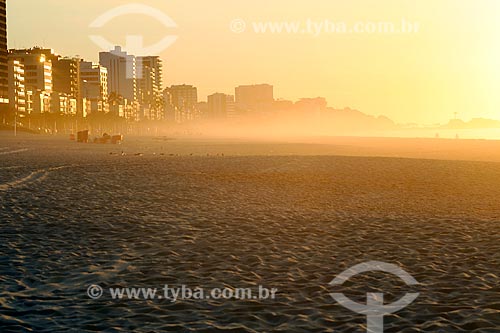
{"x":42,"y":82}
{"x":423,"y":78}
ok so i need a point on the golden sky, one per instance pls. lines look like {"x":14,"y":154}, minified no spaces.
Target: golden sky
{"x":451,"y":65}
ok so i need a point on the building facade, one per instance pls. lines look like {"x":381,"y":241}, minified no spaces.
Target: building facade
{"x":65,"y":70}
{"x":66,"y":76}
{"x":122,"y":76}
{"x":220,"y":106}
{"x":150,"y":86}
{"x":169,"y":110}
{"x":38,"y":102}
{"x":4,"y":71}
{"x":63,"y":104}
{"x":17,"y":89}
{"x":183,"y":99}
{"x":37,"y":70}
{"x":94,"y":87}
{"x":253,"y":97}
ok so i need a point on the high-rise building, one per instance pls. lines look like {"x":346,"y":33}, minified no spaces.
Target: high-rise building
{"x":254,"y":96}
{"x":183,"y":99}
{"x":4,"y":70}
{"x":150,"y":86}
{"x":122,"y":77}
{"x":94,"y":86}
{"x":220,"y":106}
{"x":65,"y":71}
{"x":169,"y":110}
{"x":184,"y":96}
{"x":17,"y":89}
{"x":66,"y":76}
{"x":37,"y":70}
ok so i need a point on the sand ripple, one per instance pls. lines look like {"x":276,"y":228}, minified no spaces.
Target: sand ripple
{"x":34,"y":176}
{"x":291,"y":223}
{"x":16,"y":151}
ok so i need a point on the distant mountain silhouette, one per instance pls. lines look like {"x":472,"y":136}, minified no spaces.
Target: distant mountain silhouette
{"x":472,"y":124}
{"x":348,"y":119}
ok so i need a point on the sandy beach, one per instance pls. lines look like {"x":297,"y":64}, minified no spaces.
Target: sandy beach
{"x":217,"y":213}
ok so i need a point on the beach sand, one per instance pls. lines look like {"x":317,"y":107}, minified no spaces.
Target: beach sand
{"x":235,"y":213}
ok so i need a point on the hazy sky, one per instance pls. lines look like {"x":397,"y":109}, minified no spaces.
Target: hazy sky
{"x":451,"y":65}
